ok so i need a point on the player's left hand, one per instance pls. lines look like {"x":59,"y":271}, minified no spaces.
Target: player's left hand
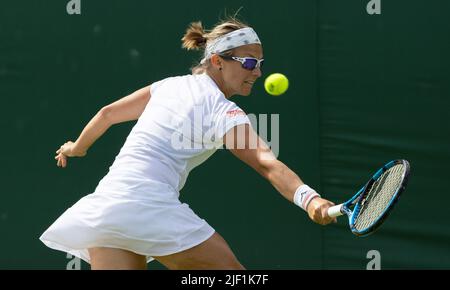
{"x":69,"y":149}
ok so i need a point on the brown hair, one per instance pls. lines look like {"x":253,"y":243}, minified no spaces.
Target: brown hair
{"x":196,"y":37}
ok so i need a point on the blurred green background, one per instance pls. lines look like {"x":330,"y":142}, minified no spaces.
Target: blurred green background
{"x":364,"y":89}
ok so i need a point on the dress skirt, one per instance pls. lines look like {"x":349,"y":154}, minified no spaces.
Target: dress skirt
{"x":151,"y":223}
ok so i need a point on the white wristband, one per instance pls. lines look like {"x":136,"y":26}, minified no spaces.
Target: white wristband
{"x":303,"y":196}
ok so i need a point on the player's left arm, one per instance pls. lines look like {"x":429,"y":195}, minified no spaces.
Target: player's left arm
{"x":128,"y":108}
{"x":254,"y":152}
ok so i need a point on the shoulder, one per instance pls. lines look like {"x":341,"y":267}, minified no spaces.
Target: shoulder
{"x":168,"y":83}
{"x":169,"y":80}
{"x":189,"y":80}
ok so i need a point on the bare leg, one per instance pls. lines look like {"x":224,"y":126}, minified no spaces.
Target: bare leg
{"x":213,"y":253}
{"x":116,"y":259}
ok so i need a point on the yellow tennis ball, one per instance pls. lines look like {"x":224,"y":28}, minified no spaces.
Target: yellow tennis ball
{"x":276,"y":84}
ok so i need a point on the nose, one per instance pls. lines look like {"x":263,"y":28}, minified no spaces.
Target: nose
{"x":257,"y":72}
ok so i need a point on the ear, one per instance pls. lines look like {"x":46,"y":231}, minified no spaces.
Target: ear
{"x":216,"y":61}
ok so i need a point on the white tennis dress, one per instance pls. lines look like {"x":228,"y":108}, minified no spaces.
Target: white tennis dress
{"x":136,"y":205}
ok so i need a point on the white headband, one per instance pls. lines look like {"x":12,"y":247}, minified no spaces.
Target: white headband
{"x":231,"y":40}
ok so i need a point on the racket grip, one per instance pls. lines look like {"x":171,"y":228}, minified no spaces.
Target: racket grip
{"x":335,"y":211}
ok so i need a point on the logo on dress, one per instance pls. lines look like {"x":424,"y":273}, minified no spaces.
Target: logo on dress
{"x":234,"y":113}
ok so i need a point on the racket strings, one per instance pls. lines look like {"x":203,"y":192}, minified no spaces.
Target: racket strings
{"x":379,"y":197}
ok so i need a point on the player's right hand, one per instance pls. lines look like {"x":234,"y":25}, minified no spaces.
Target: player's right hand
{"x":318,"y":211}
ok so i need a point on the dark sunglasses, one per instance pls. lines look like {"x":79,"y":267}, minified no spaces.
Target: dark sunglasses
{"x":248,"y":63}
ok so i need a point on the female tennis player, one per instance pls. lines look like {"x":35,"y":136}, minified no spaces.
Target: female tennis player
{"x":135,"y":215}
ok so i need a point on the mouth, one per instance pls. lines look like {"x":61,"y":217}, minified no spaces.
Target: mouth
{"x":249,"y":82}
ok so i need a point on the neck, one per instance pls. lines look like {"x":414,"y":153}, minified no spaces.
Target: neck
{"x":218,"y":79}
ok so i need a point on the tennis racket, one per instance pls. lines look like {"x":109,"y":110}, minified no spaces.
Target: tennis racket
{"x":370,"y":207}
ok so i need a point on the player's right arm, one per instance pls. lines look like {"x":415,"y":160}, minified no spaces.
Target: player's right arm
{"x":246,"y":145}
{"x":128,"y":108}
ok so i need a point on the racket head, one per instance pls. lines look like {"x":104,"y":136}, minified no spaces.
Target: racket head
{"x":375,"y":201}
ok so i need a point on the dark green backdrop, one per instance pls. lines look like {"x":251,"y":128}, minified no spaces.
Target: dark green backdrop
{"x":365,"y":89}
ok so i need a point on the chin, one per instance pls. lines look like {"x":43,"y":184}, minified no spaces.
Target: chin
{"x":245,"y":92}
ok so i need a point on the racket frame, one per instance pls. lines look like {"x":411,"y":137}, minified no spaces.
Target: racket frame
{"x":344,"y":208}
